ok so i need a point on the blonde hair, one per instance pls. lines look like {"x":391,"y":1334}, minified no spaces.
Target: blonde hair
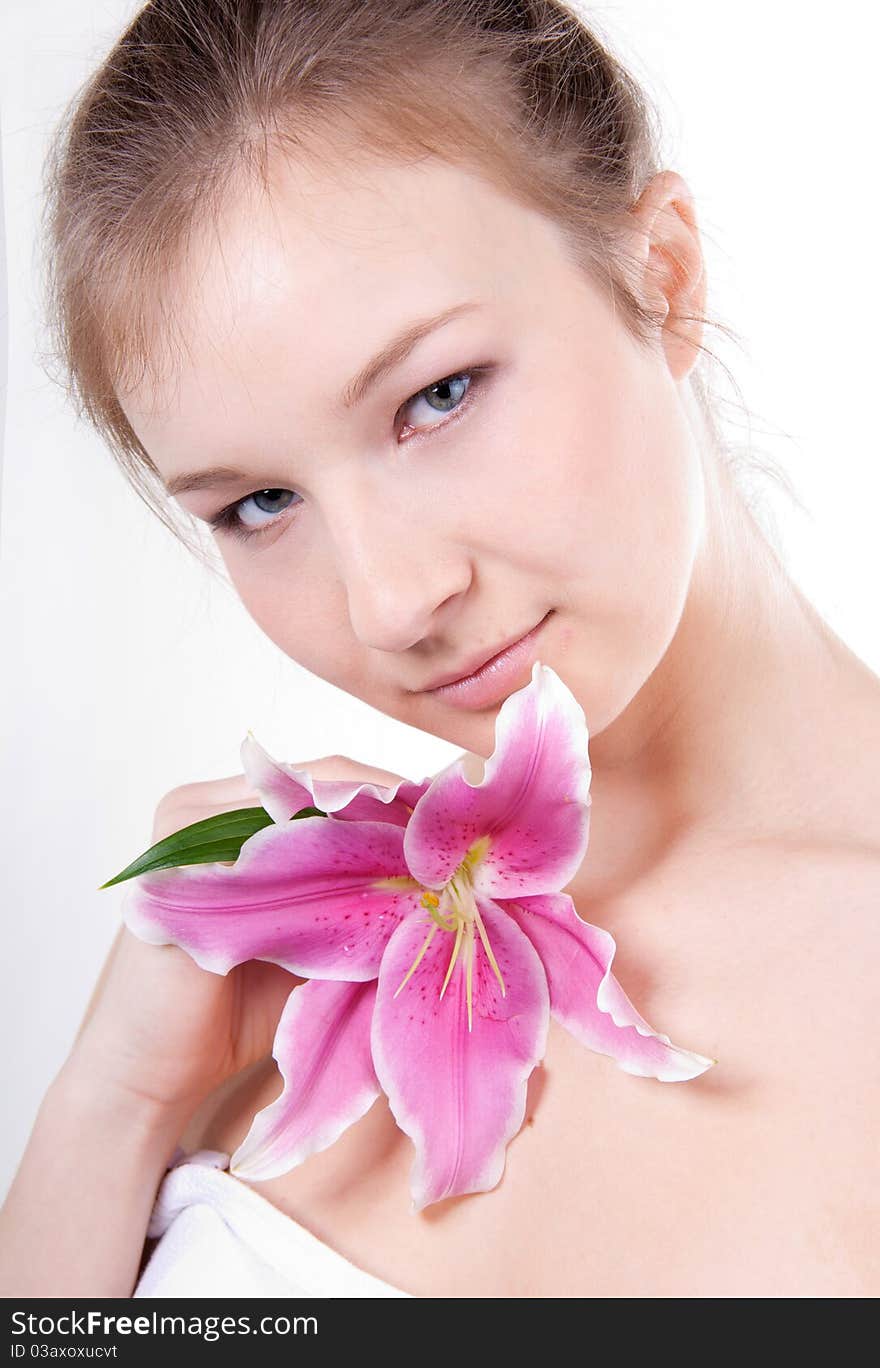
{"x":197,"y":94}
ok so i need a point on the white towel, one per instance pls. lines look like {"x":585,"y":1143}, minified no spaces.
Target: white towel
{"x":220,"y":1238}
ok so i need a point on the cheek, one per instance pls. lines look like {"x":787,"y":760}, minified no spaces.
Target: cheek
{"x":251,"y":585}
{"x":657,"y":523}
{"x":600,"y":477}
{"x":618,"y":515}
{"x":306,"y":620}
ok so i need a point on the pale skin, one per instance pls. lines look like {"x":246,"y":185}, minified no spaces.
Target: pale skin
{"x":735,"y":827}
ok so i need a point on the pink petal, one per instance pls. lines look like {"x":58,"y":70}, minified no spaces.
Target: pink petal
{"x":285,"y":789}
{"x":459,"y":1095}
{"x":532,"y":801}
{"x":586,"y":998}
{"x":307,"y":895}
{"x":322,"y":1047}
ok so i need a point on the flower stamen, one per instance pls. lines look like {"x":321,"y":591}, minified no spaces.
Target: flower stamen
{"x":412,"y":968}
{"x":454,"y":956}
{"x":487,"y":947}
{"x":454,"y":909}
{"x":430,"y":901}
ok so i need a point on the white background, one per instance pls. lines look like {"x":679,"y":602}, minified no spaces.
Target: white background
{"x":127,"y":669}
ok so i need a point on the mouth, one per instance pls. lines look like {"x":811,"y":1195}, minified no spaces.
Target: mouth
{"x":485,"y":680}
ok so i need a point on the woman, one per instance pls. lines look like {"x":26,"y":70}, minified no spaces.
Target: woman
{"x":244,"y":221}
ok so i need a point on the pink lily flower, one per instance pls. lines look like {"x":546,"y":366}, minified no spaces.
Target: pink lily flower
{"x":430,"y":924}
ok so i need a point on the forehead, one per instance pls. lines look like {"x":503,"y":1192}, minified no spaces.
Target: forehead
{"x":297,"y":285}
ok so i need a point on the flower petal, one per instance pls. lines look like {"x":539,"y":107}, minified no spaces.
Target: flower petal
{"x":458,"y":1094}
{"x":532,"y":801}
{"x":586,"y":998}
{"x":285,"y":789}
{"x":322,"y":1047}
{"x":316,"y":896}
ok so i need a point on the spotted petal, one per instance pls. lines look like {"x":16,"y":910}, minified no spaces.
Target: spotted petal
{"x":322,"y":1047}
{"x":587,"y":999}
{"x":316,"y":896}
{"x":532,"y":801}
{"x":458,"y":1093}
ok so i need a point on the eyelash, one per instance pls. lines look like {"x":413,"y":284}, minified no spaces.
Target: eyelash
{"x":227,"y":521}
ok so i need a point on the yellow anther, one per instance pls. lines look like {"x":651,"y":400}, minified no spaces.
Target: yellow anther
{"x":445,"y":920}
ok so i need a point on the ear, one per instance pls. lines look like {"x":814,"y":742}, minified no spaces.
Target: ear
{"x":672,"y":276}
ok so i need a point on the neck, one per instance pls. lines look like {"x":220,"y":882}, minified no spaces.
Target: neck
{"x":735,"y":734}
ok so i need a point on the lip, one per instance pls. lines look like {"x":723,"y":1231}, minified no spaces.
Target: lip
{"x":493,"y":678}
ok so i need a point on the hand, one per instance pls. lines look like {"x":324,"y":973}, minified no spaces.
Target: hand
{"x":160,"y":1027}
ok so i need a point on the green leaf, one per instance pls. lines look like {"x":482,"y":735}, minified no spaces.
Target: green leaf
{"x":214,"y":839}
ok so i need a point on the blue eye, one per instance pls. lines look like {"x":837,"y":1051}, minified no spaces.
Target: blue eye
{"x":451,"y":395}
{"x":447,"y":393}
{"x":229,"y":519}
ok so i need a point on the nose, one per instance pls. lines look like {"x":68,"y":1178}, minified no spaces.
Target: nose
{"x":401,"y":567}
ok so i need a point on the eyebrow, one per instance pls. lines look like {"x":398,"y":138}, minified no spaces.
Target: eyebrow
{"x":391,"y":355}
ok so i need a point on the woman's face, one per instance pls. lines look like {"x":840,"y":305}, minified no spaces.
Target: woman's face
{"x":521,"y":458}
